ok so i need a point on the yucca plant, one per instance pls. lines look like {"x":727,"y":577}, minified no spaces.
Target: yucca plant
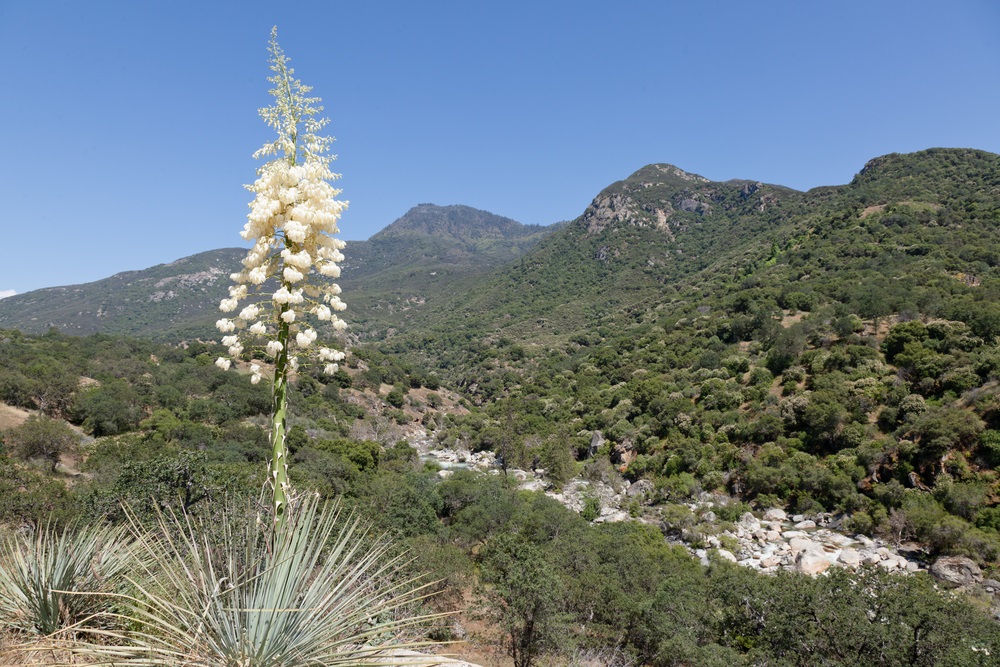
{"x":324,"y":590}
{"x":56,"y":579}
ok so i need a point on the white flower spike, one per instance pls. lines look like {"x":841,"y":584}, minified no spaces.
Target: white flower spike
{"x":292,"y":222}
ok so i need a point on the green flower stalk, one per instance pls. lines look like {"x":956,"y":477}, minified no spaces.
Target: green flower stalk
{"x":292,"y":222}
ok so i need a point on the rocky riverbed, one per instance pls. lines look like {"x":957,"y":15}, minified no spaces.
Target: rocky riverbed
{"x":809,"y":544}
{"x":768,"y":541}
{"x":777,"y":541}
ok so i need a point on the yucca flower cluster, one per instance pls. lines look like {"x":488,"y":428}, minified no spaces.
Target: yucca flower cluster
{"x":286,"y":289}
{"x":292,"y":220}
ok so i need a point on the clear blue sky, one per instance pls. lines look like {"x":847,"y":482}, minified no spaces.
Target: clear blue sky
{"x":128,"y":126}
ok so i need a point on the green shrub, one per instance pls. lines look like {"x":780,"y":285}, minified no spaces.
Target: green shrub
{"x":679,"y":486}
{"x":395,"y":398}
{"x":860,"y":522}
{"x":731,"y":511}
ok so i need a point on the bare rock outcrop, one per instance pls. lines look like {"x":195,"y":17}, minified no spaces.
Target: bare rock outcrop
{"x":957,"y":570}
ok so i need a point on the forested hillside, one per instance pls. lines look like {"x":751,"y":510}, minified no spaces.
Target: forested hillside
{"x":833,"y":350}
{"x":430,"y":253}
{"x":175,"y":299}
{"x":710,"y":349}
{"x":155,"y":428}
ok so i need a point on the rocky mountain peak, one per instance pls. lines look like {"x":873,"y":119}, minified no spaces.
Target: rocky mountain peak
{"x":456,"y":221}
{"x":665,"y":174}
{"x":650,"y":197}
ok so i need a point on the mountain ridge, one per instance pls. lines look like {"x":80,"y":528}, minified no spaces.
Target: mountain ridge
{"x":136,"y":302}
{"x":635,"y":243}
{"x":430,"y":246}
{"x":625,"y":260}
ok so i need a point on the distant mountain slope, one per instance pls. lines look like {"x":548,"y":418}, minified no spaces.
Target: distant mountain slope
{"x":175,"y":297}
{"x":903,"y":228}
{"x":462,"y":224}
{"x":414,"y":259}
{"x":631,"y":246}
{"x":905,"y":231}
{"x":428,"y":252}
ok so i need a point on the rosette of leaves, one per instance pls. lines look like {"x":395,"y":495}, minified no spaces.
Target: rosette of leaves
{"x":55,"y":579}
{"x":229,"y":591}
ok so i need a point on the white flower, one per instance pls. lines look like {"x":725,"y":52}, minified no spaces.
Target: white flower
{"x":305,"y":338}
{"x":291,"y":224}
{"x":282,"y":295}
{"x":326,"y":354}
{"x":330,"y":270}
{"x":257,"y":276}
{"x":330,"y":369}
{"x":295,"y":231}
{"x":222,"y":363}
{"x":300,"y":260}
{"x":253,"y":259}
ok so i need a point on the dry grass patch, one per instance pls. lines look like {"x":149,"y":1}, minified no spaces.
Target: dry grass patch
{"x":17,"y":651}
{"x":11,"y":417}
{"x":871,"y":209}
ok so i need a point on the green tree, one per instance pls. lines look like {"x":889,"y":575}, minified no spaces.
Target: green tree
{"x":180,"y":482}
{"x":42,"y":437}
{"x":108,"y":409}
{"x":942,"y":428}
{"x":405,"y":504}
{"x":557,"y":460}
{"x":396,"y":398}
{"x":51,"y":386}
{"x":520,"y":592}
